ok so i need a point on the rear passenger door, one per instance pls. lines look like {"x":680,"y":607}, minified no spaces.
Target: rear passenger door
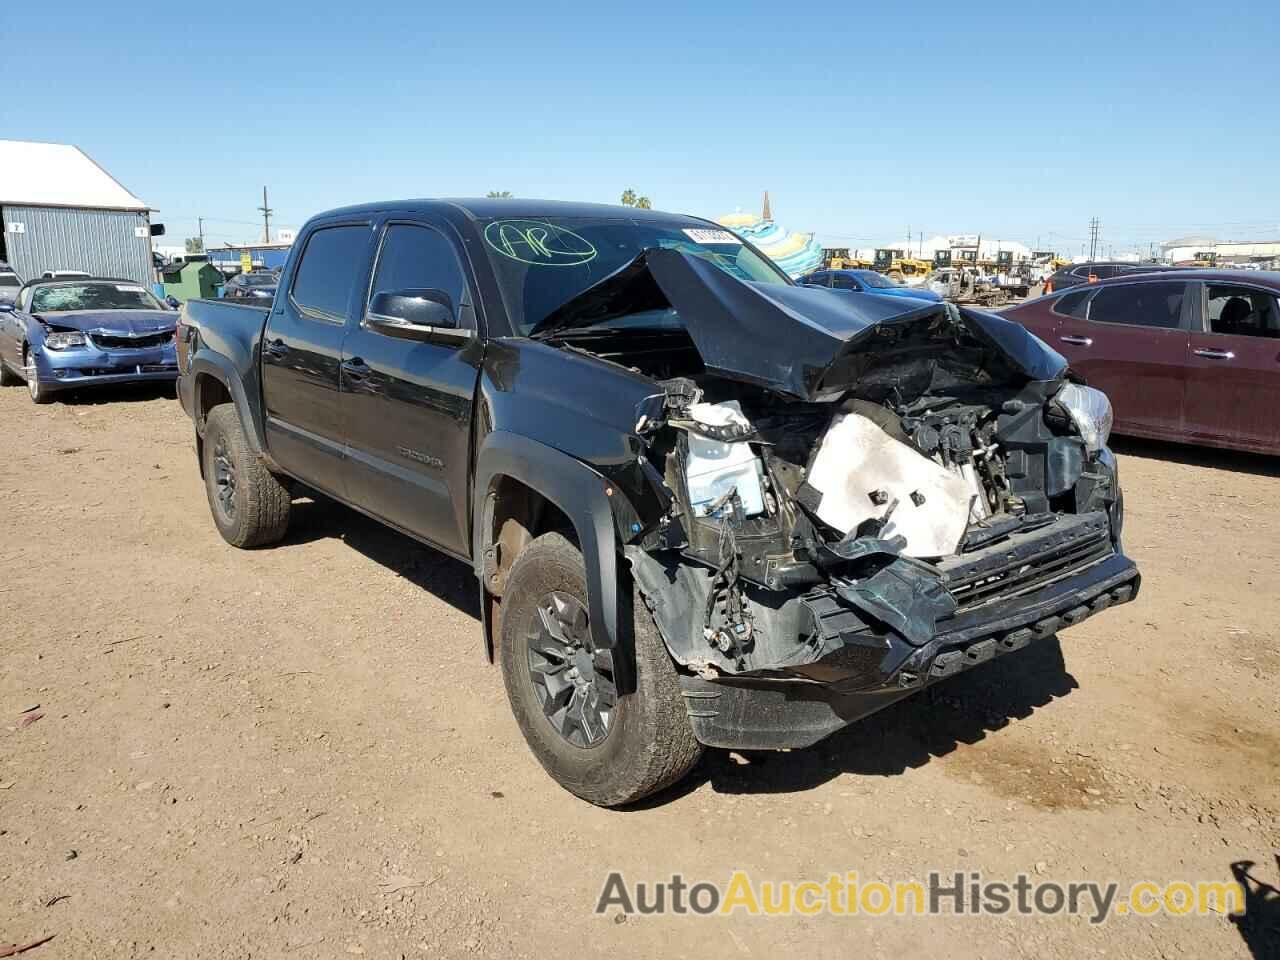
{"x":408,"y":403}
{"x":1233,"y":367}
{"x":1132,"y":344}
{"x":301,"y":351}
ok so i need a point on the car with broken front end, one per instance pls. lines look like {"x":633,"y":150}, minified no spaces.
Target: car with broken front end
{"x":705,"y":506}
{"x":61,"y":334}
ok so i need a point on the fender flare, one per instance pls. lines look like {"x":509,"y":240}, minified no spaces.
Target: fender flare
{"x":221,"y":369}
{"x":580,"y":492}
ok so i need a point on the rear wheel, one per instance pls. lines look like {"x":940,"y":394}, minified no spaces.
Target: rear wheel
{"x":605,"y":748}
{"x":250,"y":505}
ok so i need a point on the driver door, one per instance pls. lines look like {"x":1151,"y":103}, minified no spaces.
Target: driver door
{"x":407,"y":403}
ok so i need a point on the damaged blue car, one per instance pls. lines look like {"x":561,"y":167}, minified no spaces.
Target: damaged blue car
{"x":60,"y":334}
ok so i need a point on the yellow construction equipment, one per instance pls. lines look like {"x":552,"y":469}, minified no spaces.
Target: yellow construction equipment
{"x":897,"y":265}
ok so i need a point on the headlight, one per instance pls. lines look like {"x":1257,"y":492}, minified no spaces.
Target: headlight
{"x":61,"y":341}
{"x":1091,"y":411}
{"x":261,"y":293}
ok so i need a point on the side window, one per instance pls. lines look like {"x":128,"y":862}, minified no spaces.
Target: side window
{"x":1072,"y":304}
{"x":1155,"y":304}
{"x":1242,"y":312}
{"x":414,"y":258}
{"x":842,"y":282}
{"x":327,"y":272}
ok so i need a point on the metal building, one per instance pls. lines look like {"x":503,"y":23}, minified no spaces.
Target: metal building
{"x":61,"y":211}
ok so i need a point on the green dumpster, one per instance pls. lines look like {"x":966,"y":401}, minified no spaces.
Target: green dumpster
{"x":195,"y":279}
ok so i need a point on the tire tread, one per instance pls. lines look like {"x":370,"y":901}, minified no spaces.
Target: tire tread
{"x":667,"y":750}
{"x":263,"y":518}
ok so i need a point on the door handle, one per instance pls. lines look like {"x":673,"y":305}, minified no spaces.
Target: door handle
{"x":355,"y":368}
{"x":276,"y":349}
{"x":1212,"y":354}
{"x":1078,"y":341}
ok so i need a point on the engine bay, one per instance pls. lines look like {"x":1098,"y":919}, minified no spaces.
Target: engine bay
{"x":933,"y":450}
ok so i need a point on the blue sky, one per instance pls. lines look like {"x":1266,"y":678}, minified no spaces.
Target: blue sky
{"x":1018,"y":121}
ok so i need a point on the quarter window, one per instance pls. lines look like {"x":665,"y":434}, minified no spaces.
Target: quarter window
{"x":327,"y":273}
{"x":1157,"y":304}
{"x":1073,"y":304}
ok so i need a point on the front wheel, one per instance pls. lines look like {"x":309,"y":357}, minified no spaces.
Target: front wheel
{"x":250,"y":505}
{"x":605,"y":748}
{"x":39,"y":394}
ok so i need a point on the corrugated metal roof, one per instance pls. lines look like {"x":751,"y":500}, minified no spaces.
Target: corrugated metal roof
{"x":58,"y":175}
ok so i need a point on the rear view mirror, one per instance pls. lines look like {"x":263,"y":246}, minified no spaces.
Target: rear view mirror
{"x":415,"y":314}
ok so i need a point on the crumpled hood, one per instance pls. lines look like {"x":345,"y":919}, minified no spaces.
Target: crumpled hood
{"x":116,"y":322}
{"x":794,"y":340}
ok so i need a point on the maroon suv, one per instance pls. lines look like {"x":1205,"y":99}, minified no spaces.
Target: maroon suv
{"x":1193,"y":357}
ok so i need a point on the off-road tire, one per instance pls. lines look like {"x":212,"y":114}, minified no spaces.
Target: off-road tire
{"x":7,"y":377}
{"x":650,"y":743}
{"x":259,"y":502}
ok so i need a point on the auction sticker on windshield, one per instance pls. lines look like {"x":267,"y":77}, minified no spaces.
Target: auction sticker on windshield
{"x":700,"y":235}
{"x":538,"y":243}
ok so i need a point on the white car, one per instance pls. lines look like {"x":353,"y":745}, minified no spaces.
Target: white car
{"x":10,"y":284}
{"x":65,"y":275}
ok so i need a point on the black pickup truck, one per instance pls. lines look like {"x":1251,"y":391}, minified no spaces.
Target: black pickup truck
{"x":705,"y":506}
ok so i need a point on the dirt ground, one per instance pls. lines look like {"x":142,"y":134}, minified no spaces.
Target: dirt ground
{"x":301,"y":751}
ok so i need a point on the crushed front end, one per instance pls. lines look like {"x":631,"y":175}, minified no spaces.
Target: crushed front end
{"x":859,"y":507}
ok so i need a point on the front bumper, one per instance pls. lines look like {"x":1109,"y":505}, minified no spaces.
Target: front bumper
{"x":814,"y":701}
{"x":93,"y":366}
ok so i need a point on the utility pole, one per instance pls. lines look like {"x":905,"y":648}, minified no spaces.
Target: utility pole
{"x":266,"y":217}
{"x":200,"y":230}
{"x":1094,"y":225}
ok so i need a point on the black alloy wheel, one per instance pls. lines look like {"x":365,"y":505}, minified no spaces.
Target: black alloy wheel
{"x":573,"y":682}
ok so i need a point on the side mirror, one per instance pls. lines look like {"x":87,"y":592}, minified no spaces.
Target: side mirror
{"x":416,"y":314}
{"x":6,"y":307}
{"x":174,"y":302}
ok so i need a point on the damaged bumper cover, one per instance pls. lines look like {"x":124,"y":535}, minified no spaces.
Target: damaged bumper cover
{"x":759,"y":713}
{"x":819,"y":662}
